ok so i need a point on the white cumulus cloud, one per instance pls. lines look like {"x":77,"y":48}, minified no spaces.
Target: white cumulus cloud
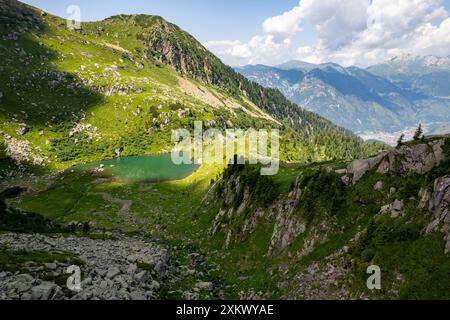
{"x":361,"y":32}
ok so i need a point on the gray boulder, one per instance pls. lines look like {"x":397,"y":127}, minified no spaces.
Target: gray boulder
{"x":395,"y":209}
{"x":155,"y":286}
{"x":19,"y":286}
{"x":132,"y":268}
{"x":142,"y":276}
{"x":204,"y":286}
{"x":137,"y":295}
{"x":378,"y":186}
{"x":26,"y":296}
{"x":419,"y":158}
{"x":43,"y":291}
{"x":161,"y":269}
{"x":51,"y":265}
{"x":112,"y":272}
{"x":439,"y":205}
{"x":360,"y":167}
{"x":22,"y":130}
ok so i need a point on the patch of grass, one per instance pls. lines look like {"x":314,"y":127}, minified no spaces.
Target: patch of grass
{"x":402,"y":251}
{"x":13,"y":261}
{"x":327,"y":248}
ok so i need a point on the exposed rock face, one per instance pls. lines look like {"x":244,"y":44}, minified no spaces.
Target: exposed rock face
{"x":439,"y":204}
{"x":319,"y":281}
{"x":22,"y":130}
{"x":231,"y":189}
{"x":171,"y":50}
{"x":395,"y":209}
{"x":20,"y":151}
{"x":87,"y":128}
{"x":359,"y":168}
{"x":440,"y":199}
{"x":425,"y":196}
{"x":378,"y":186}
{"x":419,"y":158}
{"x":287,"y":225}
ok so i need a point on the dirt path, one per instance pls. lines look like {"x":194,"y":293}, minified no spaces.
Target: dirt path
{"x":124,"y":211}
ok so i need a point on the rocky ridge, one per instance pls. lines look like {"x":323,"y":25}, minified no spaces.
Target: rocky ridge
{"x":418,"y":158}
{"x":289,"y":225}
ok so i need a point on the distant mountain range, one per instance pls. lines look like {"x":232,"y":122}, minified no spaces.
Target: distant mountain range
{"x":385,"y":98}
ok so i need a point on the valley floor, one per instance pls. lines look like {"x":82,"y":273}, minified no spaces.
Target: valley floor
{"x":310,"y":232}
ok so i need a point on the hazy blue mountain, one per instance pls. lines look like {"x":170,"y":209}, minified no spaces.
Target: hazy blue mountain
{"x":428,"y":75}
{"x":384,"y":98}
{"x":410,"y":65}
{"x":351,"y":97}
{"x":297,"y":65}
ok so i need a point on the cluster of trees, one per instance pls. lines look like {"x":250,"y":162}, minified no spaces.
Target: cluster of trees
{"x":418,"y":135}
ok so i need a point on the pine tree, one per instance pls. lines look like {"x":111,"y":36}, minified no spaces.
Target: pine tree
{"x":418,"y":133}
{"x":400,"y":140}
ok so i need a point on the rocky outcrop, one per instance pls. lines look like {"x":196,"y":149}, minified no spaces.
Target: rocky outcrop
{"x":87,"y":128}
{"x":440,"y":199}
{"x":231,"y":210}
{"x":319,"y":281}
{"x":425,"y":196}
{"x":418,"y":158}
{"x":287,"y":226}
{"x":358,"y":168}
{"x":378,"y":186}
{"x":395,"y":209}
{"x":20,"y":151}
{"x":439,"y":205}
{"x":22,"y":130}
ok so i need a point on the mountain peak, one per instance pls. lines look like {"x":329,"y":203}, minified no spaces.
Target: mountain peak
{"x":296,"y":65}
{"x":409,"y":63}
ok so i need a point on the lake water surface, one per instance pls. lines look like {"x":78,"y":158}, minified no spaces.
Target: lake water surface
{"x":154,"y":168}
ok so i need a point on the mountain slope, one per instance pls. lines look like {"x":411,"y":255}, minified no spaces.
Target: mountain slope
{"x":123,"y":83}
{"x":429,"y":75}
{"x":427,"y":79}
{"x":320,"y":229}
{"x":166,"y":42}
{"x":352,"y":98}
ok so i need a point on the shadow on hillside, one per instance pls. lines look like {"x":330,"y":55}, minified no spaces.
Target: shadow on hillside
{"x":33,"y":90}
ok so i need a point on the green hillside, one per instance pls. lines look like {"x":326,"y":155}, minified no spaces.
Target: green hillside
{"x":119,"y":86}
{"x":125,"y":82}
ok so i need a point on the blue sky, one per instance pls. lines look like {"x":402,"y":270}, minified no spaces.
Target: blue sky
{"x":205,"y":19}
{"x":349,"y":32}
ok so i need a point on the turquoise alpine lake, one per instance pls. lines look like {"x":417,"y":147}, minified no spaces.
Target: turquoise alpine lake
{"x":155,"y":168}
